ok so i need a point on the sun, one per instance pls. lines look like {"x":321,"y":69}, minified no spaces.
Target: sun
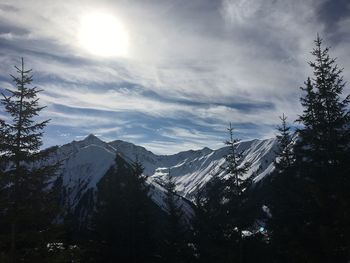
{"x":103,"y":35}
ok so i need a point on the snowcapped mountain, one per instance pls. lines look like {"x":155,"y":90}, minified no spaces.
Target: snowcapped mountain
{"x":84,"y":163}
{"x":191,"y":170}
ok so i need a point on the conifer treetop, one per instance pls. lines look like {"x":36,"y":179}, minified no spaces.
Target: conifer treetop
{"x":23,"y":131}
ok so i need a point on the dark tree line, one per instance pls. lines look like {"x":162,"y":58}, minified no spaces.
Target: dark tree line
{"x":310,"y":201}
{"x":307,"y":196}
{"x":299,"y":213}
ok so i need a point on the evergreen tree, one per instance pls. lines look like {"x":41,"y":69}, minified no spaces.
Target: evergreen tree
{"x":175,"y":239}
{"x":122,"y":221}
{"x":221,"y":210}
{"x":310,"y":201}
{"x":323,"y":153}
{"x":325,"y":135}
{"x":234,"y":167}
{"x":285,"y":155}
{"x":2,"y":133}
{"x":309,"y":121}
{"x":174,"y":227}
{"x":209,"y":223}
{"x":29,"y":203}
{"x":236,"y":185}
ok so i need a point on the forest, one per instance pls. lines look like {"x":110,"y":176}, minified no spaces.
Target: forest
{"x":304,"y":203}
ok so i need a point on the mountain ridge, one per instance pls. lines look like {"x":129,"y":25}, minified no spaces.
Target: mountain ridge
{"x":84,"y":163}
{"x":253,"y":151}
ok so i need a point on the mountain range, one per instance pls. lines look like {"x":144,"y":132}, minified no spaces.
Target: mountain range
{"x":85,"y":162}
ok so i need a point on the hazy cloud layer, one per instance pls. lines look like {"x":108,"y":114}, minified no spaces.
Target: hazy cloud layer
{"x":193,"y":67}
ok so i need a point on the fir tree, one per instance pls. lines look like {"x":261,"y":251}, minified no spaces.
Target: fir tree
{"x":235,"y":168}
{"x":29,"y":202}
{"x":236,"y":186}
{"x":122,"y":221}
{"x":325,"y":135}
{"x":174,"y":211}
{"x":175,"y":240}
{"x":221,"y":210}
{"x":209,"y":223}
{"x":310,"y":202}
{"x":285,"y":148}
{"x":2,"y":133}
{"x":323,"y":154}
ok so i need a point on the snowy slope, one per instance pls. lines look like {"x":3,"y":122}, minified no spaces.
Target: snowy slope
{"x":192,"y":169}
{"x":84,"y":163}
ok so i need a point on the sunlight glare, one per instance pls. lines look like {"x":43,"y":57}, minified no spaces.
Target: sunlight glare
{"x":103,"y":35}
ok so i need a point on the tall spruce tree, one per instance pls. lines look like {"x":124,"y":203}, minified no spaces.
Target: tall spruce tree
{"x":323,"y":154}
{"x":325,"y":135}
{"x":221,"y":210}
{"x":236,"y":186}
{"x":174,"y":211}
{"x":234,"y":167}
{"x":29,"y":204}
{"x":122,"y":221}
{"x":285,"y":155}
{"x":310,"y":205}
{"x":209,"y":223}
{"x":175,"y":240}
{"x":2,"y":132}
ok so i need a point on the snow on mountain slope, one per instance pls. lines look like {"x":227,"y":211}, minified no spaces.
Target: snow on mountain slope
{"x":85,"y":162}
{"x":192,"y":169}
{"x":82,"y":165}
{"x":84,"y":168}
{"x":158,"y":196}
{"x":131,"y":152}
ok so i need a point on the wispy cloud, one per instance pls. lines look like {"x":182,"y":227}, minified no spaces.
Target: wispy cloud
{"x":194,"y":66}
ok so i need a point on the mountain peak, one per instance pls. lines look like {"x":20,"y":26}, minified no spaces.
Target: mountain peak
{"x":91,"y":138}
{"x":206,"y":149}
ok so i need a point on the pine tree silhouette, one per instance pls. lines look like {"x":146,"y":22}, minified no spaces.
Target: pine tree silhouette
{"x":29,"y":205}
{"x":285,"y":155}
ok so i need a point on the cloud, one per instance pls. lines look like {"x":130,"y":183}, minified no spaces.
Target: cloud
{"x":194,"y":67}
{"x":239,"y":11}
{"x":12,"y":36}
{"x":125,"y":100}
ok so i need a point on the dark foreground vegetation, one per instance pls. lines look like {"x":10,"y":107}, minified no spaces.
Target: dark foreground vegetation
{"x":299,"y":213}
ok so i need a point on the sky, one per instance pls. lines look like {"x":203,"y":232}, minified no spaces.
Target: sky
{"x":191,"y":66}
